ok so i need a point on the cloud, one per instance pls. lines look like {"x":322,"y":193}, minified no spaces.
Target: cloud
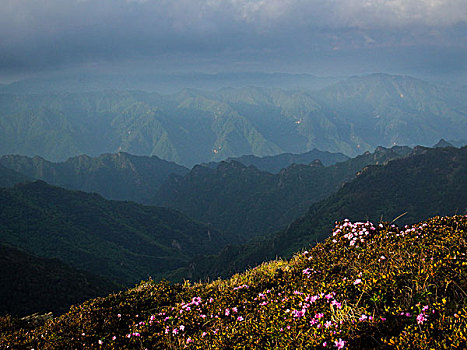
{"x":35,"y":33}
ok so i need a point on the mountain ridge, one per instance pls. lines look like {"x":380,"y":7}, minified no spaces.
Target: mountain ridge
{"x":242,"y":199}
{"x":119,"y":176}
{"x":123,"y":241}
{"x":193,"y":126}
{"x":433,"y":184}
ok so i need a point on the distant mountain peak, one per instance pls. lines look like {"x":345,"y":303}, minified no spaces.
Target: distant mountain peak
{"x":442,"y":144}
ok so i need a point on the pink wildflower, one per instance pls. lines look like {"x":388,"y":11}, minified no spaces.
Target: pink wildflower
{"x":339,"y":343}
{"x":421,"y":318}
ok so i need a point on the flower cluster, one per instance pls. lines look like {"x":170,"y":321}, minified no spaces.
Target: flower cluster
{"x":400,"y":287}
{"x":355,"y":233}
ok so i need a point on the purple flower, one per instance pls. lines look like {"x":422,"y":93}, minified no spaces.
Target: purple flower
{"x":336,"y":304}
{"x":421,"y":318}
{"x":339,"y":343}
{"x":298,"y":313}
{"x":357,"y":281}
{"x":240,"y":318}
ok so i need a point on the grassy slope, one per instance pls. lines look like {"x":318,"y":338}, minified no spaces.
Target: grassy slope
{"x":390,"y":288}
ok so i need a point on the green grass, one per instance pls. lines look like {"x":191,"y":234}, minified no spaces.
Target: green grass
{"x":392,"y":287}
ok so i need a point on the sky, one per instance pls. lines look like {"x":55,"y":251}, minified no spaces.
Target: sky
{"x":321,"y":37}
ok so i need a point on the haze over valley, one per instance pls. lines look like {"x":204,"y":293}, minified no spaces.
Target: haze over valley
{"x":248,"y":174}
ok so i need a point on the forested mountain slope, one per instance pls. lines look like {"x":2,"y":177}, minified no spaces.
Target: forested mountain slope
{"x":427,"y":183}
{"x":240,"y":199}
{"x":36,"y":285}
{"x":274,"y":164}
{"x":123,"y":241}
{"x":118,"y":176}
{"x":192,"y":127}
{"x":9,"y":177}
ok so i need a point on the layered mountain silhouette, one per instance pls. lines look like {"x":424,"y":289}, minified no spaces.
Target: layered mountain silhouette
{"x":429,"y":182}
{"x":119,"y":176}
{"x":274,"y":164}
{"x":9,"y":177}
{"x":242,"y":199}
{"x":123,"y":241}
{"x":192,"y":127}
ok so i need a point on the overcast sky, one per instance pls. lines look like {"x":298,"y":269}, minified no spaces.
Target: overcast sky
{"x":313,"y":36}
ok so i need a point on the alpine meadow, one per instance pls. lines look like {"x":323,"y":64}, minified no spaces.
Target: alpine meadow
{"x":233,"y":174}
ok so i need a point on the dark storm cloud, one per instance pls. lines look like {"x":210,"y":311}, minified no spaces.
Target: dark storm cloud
{"x":39,"y":34}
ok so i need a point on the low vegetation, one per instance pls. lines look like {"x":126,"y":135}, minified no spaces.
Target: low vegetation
{"x":367,"y":286}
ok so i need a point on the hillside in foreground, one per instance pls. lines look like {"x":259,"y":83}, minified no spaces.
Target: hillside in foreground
{"x":367,"y":286}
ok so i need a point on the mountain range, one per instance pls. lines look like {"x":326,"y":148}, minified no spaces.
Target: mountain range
{"x":118,"y":176}
{"x":240,"y":199}
{"x":274,"y":164}
{"x":124,"y":241}
{"x":191,"y":126}
{"x":426,"y":183}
